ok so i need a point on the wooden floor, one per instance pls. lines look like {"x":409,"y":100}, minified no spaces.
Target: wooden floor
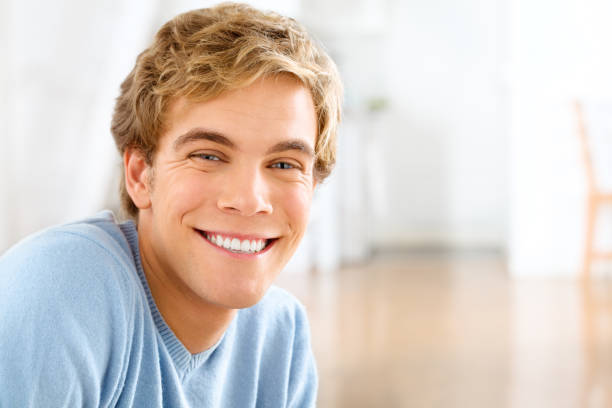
{"x":455,"y":331}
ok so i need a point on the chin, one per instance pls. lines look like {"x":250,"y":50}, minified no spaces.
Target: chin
{"x":240,"y":302}
{"x":241,"y":298}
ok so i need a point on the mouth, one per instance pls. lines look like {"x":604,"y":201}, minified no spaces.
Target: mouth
{"x":236,"y":244}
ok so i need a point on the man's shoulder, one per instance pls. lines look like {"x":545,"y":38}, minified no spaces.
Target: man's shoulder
{"x":277,"y":310}
{"x":279,"y":300}
{"x":68,"y":276}
{"x":71,"y":286}
{"x":75,"y":243}
{"x":76,"y":255}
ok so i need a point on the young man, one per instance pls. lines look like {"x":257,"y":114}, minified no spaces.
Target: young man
{"x":225,"y":125}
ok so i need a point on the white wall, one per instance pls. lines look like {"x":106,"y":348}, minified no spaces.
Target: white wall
{"x":62,"y":68}
{"x":561,"y":50}
{"x":5,"y":165}
{"x":448,"y":94}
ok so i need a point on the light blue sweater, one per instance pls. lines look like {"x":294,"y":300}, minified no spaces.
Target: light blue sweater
{"x":79,"y":328}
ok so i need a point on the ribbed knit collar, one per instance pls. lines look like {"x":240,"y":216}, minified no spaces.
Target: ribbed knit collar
{"x":183,"y":360}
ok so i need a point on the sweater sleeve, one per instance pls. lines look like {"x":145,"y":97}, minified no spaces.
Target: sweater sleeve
{"x":64,"y":320}
{"x":303,"y":380}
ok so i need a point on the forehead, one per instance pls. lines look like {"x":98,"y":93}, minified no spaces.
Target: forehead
{"x":268,"y":109}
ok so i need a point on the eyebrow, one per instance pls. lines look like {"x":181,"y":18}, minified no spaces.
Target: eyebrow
{"x":202,"y":134}
{"x":294,"y":144}
{"x":216,"y":137}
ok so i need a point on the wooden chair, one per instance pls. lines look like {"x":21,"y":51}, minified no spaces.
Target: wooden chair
{"x":596,"y":198}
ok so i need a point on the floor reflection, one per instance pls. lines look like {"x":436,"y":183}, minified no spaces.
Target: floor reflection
{"x":453,"y":331}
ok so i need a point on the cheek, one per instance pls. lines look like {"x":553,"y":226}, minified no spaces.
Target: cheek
{"x":296,"y":204}
{"x":183,"y":193}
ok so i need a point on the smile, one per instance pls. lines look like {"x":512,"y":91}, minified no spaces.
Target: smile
{"x":235,"y":244}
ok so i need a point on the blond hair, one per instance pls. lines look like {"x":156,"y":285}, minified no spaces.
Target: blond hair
{"x":202,"y":53}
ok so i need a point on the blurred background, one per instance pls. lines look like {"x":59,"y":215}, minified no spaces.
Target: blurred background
{"x":459,"y":255}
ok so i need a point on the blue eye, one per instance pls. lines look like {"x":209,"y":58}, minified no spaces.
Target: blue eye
{"x":283,"y":166}
{"x":205,"y":156}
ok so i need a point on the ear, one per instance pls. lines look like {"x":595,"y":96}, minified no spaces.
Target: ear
{"x":137,"y":178}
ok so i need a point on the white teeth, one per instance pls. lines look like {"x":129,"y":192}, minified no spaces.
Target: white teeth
{"x":245,"y":246}
{"x":236,"y":245}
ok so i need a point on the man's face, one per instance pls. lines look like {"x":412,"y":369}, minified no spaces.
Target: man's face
{"x":230,"y":191}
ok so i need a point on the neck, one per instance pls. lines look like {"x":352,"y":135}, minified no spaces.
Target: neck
{"x":196,"y":323}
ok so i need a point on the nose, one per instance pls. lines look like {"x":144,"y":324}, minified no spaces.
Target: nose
{"x":245,"y":192}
